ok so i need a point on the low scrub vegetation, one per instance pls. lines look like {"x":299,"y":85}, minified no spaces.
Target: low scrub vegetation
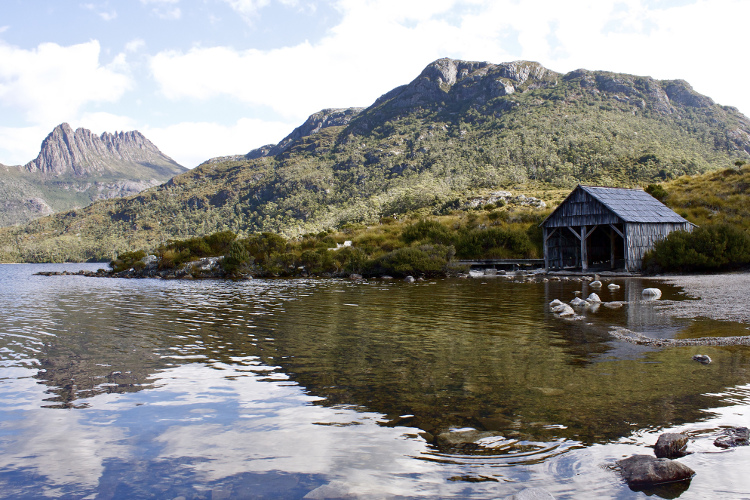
{"x":419,"y":247}
{"x":707,"y":248}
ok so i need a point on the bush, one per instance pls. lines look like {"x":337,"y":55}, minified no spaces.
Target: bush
{"x":429,"y":260}
{"x":126,"y":260}
{"x":497,"y":242}
{"x":707,"y":248}
{"x":431,"y":231}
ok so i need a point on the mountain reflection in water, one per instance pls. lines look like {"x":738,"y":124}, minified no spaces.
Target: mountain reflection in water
{"x":326,"y":388}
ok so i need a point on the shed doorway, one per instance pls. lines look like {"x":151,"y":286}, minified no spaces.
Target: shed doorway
{"x":605,"y":248}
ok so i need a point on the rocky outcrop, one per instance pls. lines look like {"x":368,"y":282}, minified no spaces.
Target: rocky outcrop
{"x":82,"y":153}
{"x":77,"y":167}
{"x":314,"y":124}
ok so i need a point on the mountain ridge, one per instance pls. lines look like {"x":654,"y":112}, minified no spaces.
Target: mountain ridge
{"x":76,"y":167}
{"x":457,"y":130}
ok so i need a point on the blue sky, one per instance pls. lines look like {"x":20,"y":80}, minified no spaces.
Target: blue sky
{"x":205,"y":78}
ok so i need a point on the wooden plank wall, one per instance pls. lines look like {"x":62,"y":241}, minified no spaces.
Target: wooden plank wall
{"x":641,"y":237}
{"x":581,"y":209}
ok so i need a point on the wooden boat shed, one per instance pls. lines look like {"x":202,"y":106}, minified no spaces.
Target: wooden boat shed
{"x":606,"y":228}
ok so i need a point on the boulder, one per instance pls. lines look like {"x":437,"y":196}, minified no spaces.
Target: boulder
{"x":651,"y":293}
{"x":596,"y":284}
{"x":645,"y":470}
{"x":410,"y":279}
{"x":671,"y":445}
{"x":593,"y":298}
{"x":613,"y":286}
{"x":736,"y":436}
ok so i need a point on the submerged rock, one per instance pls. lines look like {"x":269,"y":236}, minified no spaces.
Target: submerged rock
{"x":645,"y":470}
{"x":702,"y":358}
{"x":532,"y":494}
{"x":730,"y":438}
{"x":465,"y":438}
{"x":671,"y":445}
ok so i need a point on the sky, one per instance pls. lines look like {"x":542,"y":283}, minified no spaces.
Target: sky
{"x":207,"y":78}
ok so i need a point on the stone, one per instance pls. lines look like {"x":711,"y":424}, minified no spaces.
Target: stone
{"x":651,"y":293}
{"x":531,"y":494}
{"x":702,"y":358}
{"x":596,"y":284}
{"x":613,"y":286}
{"x":410,"y":279}
{"x":613,"y":305}
{"x":730,"y":438}
{"x":578,"y":302}
{"x":593,"y":298}
{"x":645,"y":470}
{"x":671,"y":445}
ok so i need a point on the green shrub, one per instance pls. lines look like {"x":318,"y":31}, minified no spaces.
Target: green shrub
{"x":432,"y":231}
{"x":428,"y":260}
{"x":126,"y":260}
{"x":707,"y":248}
{"x":237,"y":260}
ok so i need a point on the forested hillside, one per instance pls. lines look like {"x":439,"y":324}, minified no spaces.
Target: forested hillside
{"x":458,"y":130}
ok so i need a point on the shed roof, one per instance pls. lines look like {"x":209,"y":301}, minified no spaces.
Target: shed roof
{"x":633,"y":205}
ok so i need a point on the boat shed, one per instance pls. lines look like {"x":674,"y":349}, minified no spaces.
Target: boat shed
{"x":606,"y":228}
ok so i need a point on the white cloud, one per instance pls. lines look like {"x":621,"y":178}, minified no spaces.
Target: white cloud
{"x":384,"y":43}
{"x":192,"y":143}
{"x":108,"y":16}
{"x":164,"y":8}
{"x":20,"y":145}
{"x":135,"y":45}
{"x":50,"y":84}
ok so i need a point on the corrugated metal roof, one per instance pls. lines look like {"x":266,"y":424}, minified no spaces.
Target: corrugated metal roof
{"x":633,"y":205}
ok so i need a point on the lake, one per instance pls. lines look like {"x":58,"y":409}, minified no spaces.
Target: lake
{"x":114,"y":389}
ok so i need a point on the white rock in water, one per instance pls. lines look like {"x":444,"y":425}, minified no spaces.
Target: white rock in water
{"x":651,"y":293}
{"x":578,"y":302}
{"x":596,"y":284}
{"x":566,"y":311}
{"x":593,"y":298}
{"x":613,"y":305}
{"x":555,"y":303}
{"x":612,"y":286}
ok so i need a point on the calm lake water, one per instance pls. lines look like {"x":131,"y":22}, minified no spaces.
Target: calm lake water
{"x":114,"y":389}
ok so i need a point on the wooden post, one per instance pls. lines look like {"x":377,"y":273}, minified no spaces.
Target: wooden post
{"x":546,"y":251}
{"x":584,"y":253}
{"x":611,"y":248}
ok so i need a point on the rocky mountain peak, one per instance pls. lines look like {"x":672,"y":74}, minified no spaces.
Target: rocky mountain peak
{"x":332,"y":117}
{"x":81,"y":152}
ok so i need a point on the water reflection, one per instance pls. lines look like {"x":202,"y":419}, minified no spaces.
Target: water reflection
{"x":280,"y":389}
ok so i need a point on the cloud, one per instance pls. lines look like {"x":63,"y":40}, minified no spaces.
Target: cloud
{"x":135,"y":45}
{"x":192,"y":143}
{"x":50,"y":84}
{"x":165,"y":9}
{"x":20,"y":145}
{"x":380,"y":44}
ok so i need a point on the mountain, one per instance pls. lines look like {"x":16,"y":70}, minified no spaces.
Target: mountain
{"x":75,"y":168}
{"x":458,"y":130}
